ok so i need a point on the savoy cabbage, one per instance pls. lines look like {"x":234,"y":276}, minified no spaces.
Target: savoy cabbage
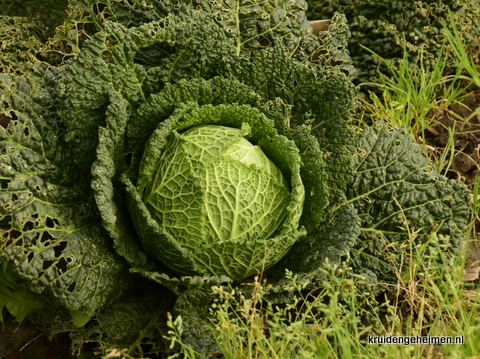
{"x":81,"y":142}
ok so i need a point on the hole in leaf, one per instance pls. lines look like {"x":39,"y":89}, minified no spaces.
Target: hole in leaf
{"x":71,"y":287}
{"x":4,"y":183}
{"x":30,"y":257}
{"x":317,"y":55}
{"x":58,"y":249}
{"x":334,"y":63}
{"x":26,"y":131}
{"x":4,"y":120}
{"x":14,"y":197}
{"x":52,"y":222}
{"x":61,"y":266}
{"x":5,"y":224}
{"x":46,"y":236}
{"x":28,"y":226}
{"x":263,"y":41}
{"x":47,"y":264}
{"x":14,"y":234}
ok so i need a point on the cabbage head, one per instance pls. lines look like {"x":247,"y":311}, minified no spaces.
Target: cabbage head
{"x":220,"y":198}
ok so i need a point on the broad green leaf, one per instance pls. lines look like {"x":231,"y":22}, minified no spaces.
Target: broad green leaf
{"x":79,"y":319}
{"x":327,"y":246}
{"x":136,"y":323}
{"x":52,"y":235}
{"x":15,"y":296}
{"x":108,"y":190}
{"x":402,"y":201}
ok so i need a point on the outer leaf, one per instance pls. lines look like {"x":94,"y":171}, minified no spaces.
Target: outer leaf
{"x":53,"y":236}
{"x":20,"y":44}
{"x":193,"y":306}
{"x":314,"y":175}
{"x":88,"y":81}
{"x":323,"y":101}
{"x":16,"y":297}
{"x":177,"y":284}
{"x":106,"y":65}
{"x":248,"y":26}
{"x":108,"y":193}
{"x":328,"y":245}
{"x":136,"y":323}
{"x":400,"y":197}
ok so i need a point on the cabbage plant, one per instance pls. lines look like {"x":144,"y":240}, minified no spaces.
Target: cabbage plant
{"x":117,"y":204}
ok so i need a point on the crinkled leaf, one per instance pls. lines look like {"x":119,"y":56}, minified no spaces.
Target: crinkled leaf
{"x":177,"y":284}
{"x":324,"y":102}
{"x":401,"y":201}
{"x":89,"y":79}
{"x":215,"y":91}
{"x":248,"y":26}
{"x":136,"y":323}
{"x":192,"y":306}
{"x":52,"y":234}
{"x":328,"y":245}
{"x":108,"y":190}
{"x":106,"y":65}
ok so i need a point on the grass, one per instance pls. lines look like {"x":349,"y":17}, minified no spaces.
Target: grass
{"x":408,"y":95}
{"x":455,"y":41}
{"x":430,"y":300}
{"x":336,"y":320}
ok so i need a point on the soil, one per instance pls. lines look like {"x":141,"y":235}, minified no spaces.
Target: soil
{"x":27,"y":341}
{"x":464,"y":118}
